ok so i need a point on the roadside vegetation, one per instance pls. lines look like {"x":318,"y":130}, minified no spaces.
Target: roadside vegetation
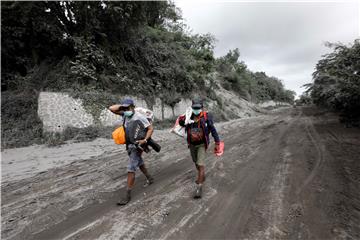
{"x":336,"y":82}
{"x":138,"y":48}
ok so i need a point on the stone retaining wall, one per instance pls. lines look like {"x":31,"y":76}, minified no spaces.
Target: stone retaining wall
{"x":272,"y":104}
{"x":58,"y":111}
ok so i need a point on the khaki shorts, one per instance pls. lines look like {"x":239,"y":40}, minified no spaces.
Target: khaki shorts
{"x":198,"y":154}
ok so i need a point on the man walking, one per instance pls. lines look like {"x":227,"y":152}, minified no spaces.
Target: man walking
{"x":134,"y":123}
{"x":198,"y":130}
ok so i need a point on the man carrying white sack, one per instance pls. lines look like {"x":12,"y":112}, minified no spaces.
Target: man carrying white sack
{"x":198,"y":128}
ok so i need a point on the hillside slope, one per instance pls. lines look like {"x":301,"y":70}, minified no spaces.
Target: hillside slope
{"x":141,"y":49}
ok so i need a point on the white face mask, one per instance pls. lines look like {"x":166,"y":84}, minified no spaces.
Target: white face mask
{"x":128,"y":113}
{"x":196,"y":111}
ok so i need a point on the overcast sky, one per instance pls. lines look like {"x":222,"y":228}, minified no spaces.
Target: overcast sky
{"x":284,"y":39}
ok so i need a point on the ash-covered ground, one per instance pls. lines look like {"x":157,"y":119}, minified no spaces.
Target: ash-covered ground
{"x":288,"y":174}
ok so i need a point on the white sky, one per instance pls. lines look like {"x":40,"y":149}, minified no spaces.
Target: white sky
{"x":284,"y":39}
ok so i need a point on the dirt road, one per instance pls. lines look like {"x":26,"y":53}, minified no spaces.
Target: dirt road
{"x":290,"y":174}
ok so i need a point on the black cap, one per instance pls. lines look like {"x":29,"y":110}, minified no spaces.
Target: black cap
{"x":197,"y":103}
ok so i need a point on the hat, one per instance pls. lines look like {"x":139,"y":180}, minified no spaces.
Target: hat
{"x":197,"y":103}
{"x":127,"y":102}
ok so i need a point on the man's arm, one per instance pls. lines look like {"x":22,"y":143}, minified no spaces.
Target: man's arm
{"x":182,"y":120}
{"x":149,"y":132}
{"x":115,"y":109}
{"x":213,"y":129}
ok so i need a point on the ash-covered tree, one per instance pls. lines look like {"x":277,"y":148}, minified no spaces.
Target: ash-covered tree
{"x":337,"y":80}
{"x":114,"y":46}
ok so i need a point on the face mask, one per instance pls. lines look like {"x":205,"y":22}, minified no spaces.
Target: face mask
{"x":196,"y":111}
{"x":128,"y":113}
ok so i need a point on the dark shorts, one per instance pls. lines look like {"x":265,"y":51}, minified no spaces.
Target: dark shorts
{"x":135,"y":159}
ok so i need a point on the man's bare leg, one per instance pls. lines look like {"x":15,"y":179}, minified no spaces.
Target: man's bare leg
{"x":130,"y":184}
{"x":200,"y":180}
{"x":149,"y":178}
{"x":200,"y":175}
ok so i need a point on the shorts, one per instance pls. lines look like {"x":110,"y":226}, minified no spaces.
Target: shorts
{"x":198,"y":154}
{"x":135,"y":159}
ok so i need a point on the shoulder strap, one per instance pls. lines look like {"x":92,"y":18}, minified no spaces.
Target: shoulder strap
{"x":123,"y":122}
{"x":205,"y":116}
{"x":126,"y":137}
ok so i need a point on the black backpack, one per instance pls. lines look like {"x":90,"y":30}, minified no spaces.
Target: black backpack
{"x":135,"y":131}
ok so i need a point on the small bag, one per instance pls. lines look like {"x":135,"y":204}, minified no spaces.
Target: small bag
{"x":197,"y":135}
{"x":119,"y":135}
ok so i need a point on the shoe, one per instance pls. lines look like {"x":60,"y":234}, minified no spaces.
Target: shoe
{"x":149,"y":181}
{"x":126,"y":199}
{"x":198,"y":192}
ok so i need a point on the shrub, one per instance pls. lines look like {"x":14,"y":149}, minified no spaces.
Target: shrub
{"x":20,"y":124}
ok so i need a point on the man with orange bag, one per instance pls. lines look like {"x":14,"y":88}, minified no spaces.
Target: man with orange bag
{"x":134,"y":124}
{"x":197,"y":129}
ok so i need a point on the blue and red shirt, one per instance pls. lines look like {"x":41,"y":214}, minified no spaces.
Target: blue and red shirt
{"x":206,"y":123}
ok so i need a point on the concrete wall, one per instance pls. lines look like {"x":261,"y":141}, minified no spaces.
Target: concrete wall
{"x":58,"y":111}
{"x":272,"y":104}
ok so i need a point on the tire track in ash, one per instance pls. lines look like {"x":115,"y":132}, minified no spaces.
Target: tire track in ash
{"x":229,"y":211}
{"x":273,"y":210}
{"x":320,"y":149}
{"x":94,"y":211}
{"x":192,"y":212}
{"x":182,"y":211}
{"x":35,"y":204}
{"x":270,"y":205}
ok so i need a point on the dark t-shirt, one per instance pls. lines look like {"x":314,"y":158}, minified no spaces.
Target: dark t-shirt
{"x":196,"y":132}
{"x":136,"y":128}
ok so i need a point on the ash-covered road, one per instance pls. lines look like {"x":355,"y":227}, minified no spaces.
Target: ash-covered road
{"x":290,"y":174}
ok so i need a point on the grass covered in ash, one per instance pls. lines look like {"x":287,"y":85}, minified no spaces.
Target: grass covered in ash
{"x":21,"y":126}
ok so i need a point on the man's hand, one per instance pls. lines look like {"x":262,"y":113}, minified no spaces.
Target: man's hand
{"x":182,"y":120}
{"x":116,"y":109}
{"x":142,"y":141}
{"x":219,"y":148}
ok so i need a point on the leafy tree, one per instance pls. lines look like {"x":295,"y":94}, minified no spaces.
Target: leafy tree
{"x":118,"y":47}
{"x":304,"y":99}
{"x":253,"y":86}
{"x":337,"y":80}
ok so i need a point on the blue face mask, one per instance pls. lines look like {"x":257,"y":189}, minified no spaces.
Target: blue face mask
{"x":128,"y":113}
{"x":196,"y":111}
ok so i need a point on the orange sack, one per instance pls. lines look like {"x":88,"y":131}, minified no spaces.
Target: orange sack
{"x":119,"y":135}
